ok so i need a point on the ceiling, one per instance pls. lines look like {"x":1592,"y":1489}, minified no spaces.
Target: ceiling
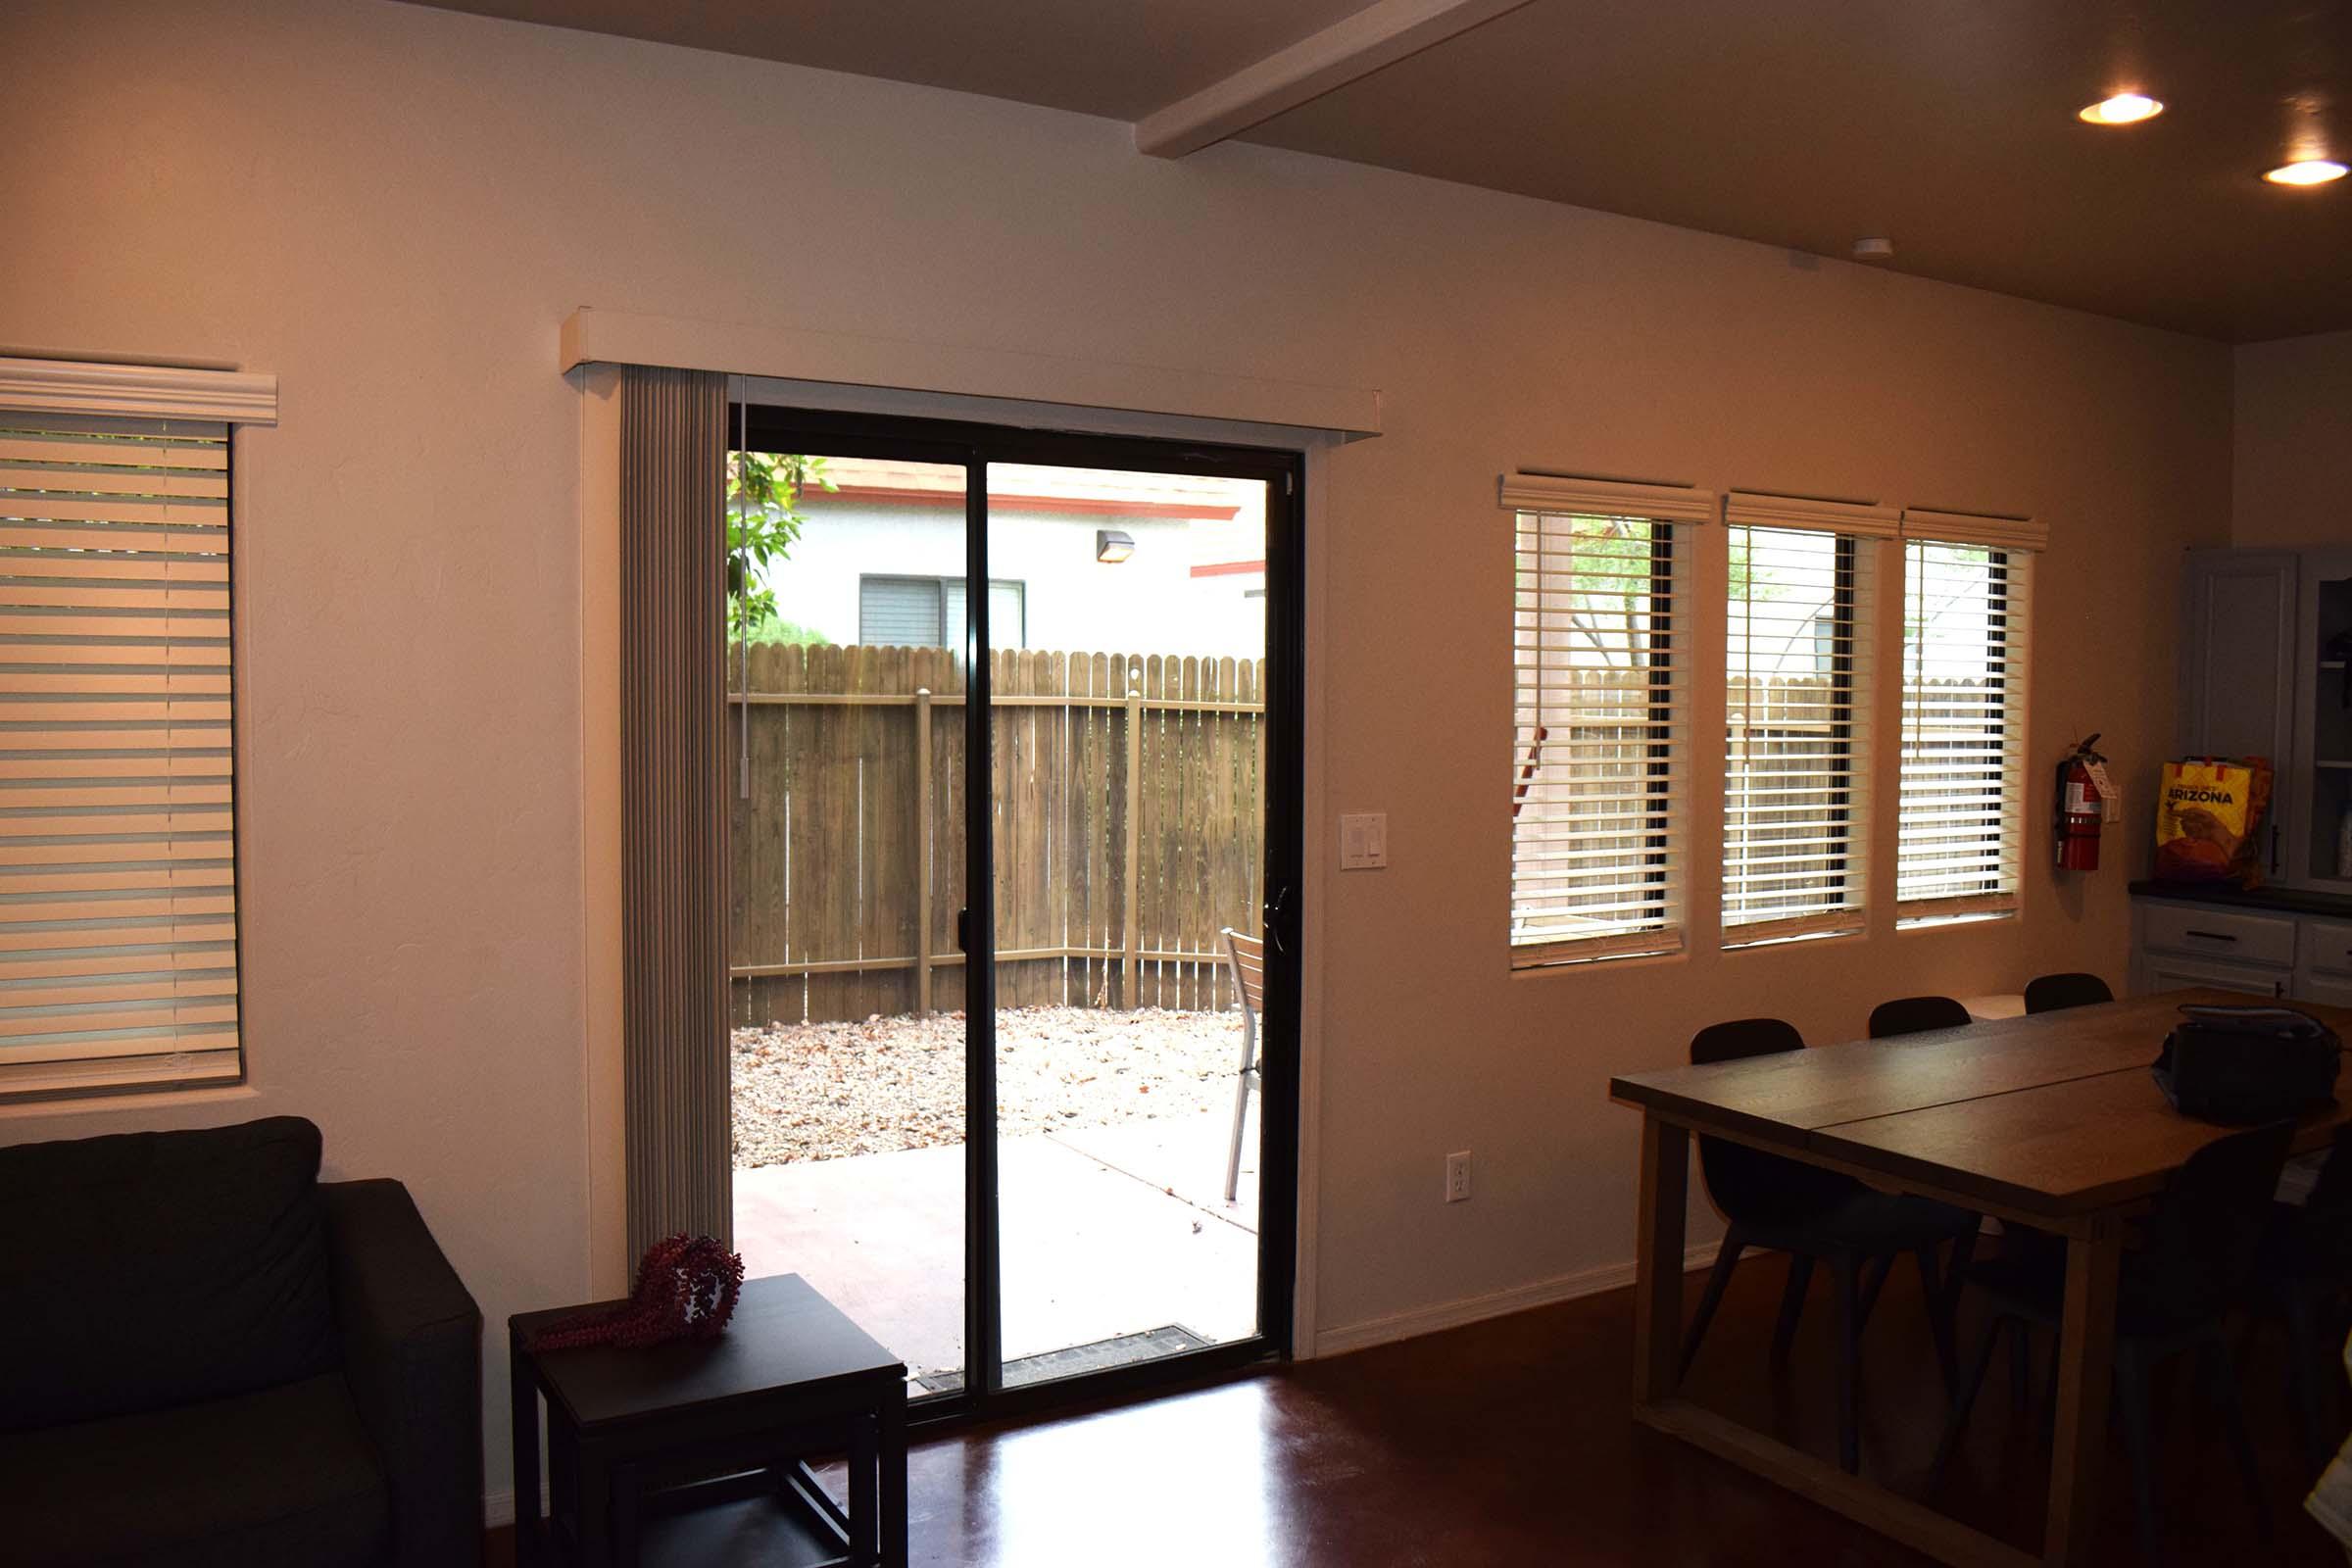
{"x":1948,"y":125}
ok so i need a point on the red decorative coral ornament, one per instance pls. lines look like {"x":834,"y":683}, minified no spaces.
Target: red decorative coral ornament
{"x":686,"y":1289}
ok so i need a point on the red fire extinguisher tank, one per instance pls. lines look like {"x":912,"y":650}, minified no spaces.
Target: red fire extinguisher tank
{"x":2078,"y":808}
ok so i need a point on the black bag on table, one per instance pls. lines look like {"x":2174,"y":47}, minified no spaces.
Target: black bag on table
{"x":2247,"y":1065}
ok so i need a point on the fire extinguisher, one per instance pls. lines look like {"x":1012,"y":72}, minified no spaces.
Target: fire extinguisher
{"x":2079,"y":807}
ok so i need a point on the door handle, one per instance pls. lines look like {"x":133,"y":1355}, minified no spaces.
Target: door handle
{"x":1273,"y":917}
{"x":964,"y":930}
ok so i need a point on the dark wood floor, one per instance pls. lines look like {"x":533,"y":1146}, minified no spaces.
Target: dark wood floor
{"x":1507,"y":1442}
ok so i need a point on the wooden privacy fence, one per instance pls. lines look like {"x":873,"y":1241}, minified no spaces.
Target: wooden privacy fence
{"x":1126,"y":797}
{"x":1789,"y":740}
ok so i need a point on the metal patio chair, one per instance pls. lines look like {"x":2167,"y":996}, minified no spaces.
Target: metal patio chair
{"x":1247,"y":956}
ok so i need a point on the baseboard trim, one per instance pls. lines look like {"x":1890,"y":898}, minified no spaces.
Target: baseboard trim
{"x":1498,"y":1304}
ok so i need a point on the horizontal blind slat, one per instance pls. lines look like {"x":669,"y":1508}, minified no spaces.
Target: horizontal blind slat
{"x":178,"y":1070}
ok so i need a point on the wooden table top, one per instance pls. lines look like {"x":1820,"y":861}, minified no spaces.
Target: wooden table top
{"x":2053,"y":1114}
{"x":783,"y":1336}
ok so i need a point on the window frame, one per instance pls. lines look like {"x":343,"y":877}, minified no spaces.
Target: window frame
{"x":2008,"y":597}
{"x":939,"y":586}
{"x":145,"y":403}
{"x":1663,"y":878}
{"x":1850,"y":704}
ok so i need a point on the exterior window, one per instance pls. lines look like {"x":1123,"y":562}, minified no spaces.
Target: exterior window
{"x":1958,"y":850}
{"x":928,"y":613}
{"x":119,"y":928}
{"x":1600,"y":754}
{"x":1797,"y":715}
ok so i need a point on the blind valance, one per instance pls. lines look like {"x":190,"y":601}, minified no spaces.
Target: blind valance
{"x":1756,"y":510}
{"x":1988,"y":529}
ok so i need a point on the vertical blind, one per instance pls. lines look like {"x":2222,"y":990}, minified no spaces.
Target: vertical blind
{"x":1601,"y":749}
{"x":677,"y":1175}
{"x":1959,"y":841}
{"x":117,"y":837}
{"x":1796,"y":725}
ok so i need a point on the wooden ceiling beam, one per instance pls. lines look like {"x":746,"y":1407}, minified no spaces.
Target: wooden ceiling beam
{"x":1353,"y":47}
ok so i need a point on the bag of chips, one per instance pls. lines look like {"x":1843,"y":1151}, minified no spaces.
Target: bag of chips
{"x":2209,"y":813}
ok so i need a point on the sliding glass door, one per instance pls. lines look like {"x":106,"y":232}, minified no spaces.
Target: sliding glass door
{"x":1128,"y":726}
{"x":850,"y":1073}
{"x":1017,"y":752}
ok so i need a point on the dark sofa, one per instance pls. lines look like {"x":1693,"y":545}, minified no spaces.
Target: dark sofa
{"x":210,"y":1356}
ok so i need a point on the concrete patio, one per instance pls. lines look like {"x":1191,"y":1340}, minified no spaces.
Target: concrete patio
{"x":1107,"y":1231}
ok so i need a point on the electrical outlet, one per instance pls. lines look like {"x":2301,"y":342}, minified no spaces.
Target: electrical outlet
{"x":1457,"y":1177}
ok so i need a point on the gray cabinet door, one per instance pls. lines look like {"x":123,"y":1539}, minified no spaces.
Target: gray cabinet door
{"x":2323,"y":727}
{"x":2238,"y":667}
{"x":2161,"y":972}
{"x":2328,"y":991}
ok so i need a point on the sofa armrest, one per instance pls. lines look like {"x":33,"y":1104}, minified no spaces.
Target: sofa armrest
{"x":411,"y":1354}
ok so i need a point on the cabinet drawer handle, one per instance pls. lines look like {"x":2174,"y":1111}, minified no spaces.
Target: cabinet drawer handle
{"x":2211,"y":936}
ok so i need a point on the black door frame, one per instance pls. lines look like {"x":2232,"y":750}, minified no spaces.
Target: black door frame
{"x":973,"y":447}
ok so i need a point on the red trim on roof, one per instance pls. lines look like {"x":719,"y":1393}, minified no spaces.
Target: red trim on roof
{"x":1228,"y":568}
{"x":1080,"y":504}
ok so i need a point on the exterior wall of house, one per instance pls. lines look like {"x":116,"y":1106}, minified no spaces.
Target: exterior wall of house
{"x":394,"y":207}
{"x":1150,"y":603}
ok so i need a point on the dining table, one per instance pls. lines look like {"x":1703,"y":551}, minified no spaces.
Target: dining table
{"x":2051,"y":1121}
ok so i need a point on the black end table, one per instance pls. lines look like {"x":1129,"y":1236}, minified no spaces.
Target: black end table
{"x":697,"y":1454}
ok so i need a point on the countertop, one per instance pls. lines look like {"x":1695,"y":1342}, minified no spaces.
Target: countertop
{"x":2276,"y":900}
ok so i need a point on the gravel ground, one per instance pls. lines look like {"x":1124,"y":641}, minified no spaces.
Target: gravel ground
{"x":821,"y":1091}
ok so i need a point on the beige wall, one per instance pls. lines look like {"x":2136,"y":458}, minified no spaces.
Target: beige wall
{"x":393,"y":207}
{"x":2292,"y":474}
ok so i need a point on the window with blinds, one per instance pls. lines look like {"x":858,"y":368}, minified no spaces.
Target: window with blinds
{"x":118,"y":826}
{"x":1601,"y":749}
{"x":1796,"y":717}
{"x":1960,"y":837}
{"x":928,"y":611}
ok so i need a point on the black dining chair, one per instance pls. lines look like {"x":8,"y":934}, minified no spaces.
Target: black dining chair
{"x":2302,"y":1276}
{"x":2194,"y":1255}
{"x":1911,"y":1015}
{"x":2054,"y":993}
{"x":1818,"y":1217}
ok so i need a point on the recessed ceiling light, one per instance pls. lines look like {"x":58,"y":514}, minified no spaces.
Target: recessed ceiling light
{"x":2306,"y":172}
{"x":2124,"y":109}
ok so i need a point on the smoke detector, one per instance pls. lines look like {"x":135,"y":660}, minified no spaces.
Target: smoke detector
{"x":1874,"y":248}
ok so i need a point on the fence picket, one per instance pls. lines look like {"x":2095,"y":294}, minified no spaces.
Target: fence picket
{"x":1116,"y":823}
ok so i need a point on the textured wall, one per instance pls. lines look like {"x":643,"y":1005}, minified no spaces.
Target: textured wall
{"x":2292,"y":474}
{"x":393,"y":207}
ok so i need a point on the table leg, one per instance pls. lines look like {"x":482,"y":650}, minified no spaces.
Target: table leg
{"x":522,"y":1403}
{"x":865,"y":1476}
{"x":892,"y":1497}
{"x":596,"y":1507}
{"x":1658,"y":1260}
{"x":623,"y":1547}
{"x":2085,"y":1371}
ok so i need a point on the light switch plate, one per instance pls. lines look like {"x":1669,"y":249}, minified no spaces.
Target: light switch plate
{"x":1363,"y":841}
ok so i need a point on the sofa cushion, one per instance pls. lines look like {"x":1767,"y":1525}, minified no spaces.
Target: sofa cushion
{"x":148,"y":1269}
{"x":283,"y":1475}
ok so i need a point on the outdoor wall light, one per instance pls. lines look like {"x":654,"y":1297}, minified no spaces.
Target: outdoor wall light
{"x":1113,"y":547}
